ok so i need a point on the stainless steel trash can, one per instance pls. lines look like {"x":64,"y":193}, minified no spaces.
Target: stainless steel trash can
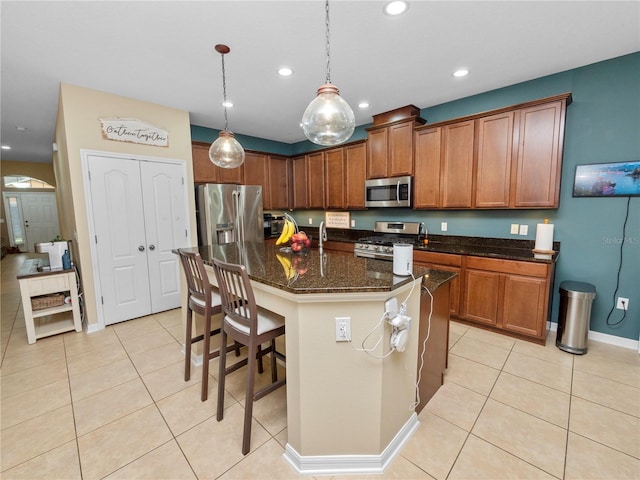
{"x":574,"y":316}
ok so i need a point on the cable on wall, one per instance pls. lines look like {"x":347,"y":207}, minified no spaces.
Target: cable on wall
{"x":615,"y":292}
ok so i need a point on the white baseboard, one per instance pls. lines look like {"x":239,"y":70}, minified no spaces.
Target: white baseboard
{"x":351,"y":464}
{"x":606,"y":338}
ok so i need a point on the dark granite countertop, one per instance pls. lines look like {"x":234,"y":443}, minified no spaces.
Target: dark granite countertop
{"x":505,"y":248}
{"x":313,"y":272}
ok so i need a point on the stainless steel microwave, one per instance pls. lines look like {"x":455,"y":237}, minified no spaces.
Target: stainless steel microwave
{"x":388,"y":192}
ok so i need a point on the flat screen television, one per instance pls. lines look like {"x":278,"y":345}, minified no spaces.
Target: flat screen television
{"x":618,"y":179}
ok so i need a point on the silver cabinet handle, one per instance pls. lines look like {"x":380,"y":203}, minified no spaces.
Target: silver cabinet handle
{"x":152,"y":247}
{"x":141,"y":248}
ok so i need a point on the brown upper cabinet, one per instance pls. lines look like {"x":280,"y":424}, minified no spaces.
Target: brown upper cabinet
{"x":390,"y":142}
{"x":206,"y":172}
{"x":272,"y":172}
{"x":506,"y":158}
{"x":345,"y":175}
{"x":308,"y":181}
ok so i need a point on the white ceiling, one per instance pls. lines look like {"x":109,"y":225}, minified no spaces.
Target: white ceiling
{"x":162,"y":52}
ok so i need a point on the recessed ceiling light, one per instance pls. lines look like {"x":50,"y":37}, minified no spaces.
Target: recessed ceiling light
{"x":363,"y":105}
{"x":285,"y":72}
{"x":461,"y":72}
{"x":227,"y":104}
{"x":395,"y":8}
{"x":5,"y":147}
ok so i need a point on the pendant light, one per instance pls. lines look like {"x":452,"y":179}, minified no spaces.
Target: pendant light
{"x":328,"y":120}
{"x":226,"y":151}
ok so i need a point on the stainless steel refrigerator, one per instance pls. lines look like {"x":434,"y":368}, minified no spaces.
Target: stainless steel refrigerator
{"x":229,"y":214}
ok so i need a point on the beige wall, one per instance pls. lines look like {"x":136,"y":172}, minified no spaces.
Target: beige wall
{"x":78,"y":127}
{"x":41,"y":171}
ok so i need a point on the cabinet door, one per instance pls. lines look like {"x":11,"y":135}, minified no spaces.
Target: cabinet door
{"x":426,"y":192}
{"x":355,"y":160}
{"x":400,"y":149}
{"x":316,"y":179}
{"x":524,"y":305}
{"x":377,"y":145}
{"x":233,"y":176}
{"x":278,"y":182}
{"x":300,"y":197}
{"x":256,"y":172}
{"x":335,"y":178}
{"x":203,"y":170}
{"x":456,"y":183}
{"x":481,"y":295}
{"x":494,"y":158}
{"x":541,"y":133}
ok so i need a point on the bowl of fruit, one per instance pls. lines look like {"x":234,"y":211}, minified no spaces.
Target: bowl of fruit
{"x":300,"y":242}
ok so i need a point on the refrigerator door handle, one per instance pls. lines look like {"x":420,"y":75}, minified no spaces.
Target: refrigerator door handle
{"x":238,"y":226}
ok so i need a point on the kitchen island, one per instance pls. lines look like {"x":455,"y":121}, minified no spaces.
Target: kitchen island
{"x":348,"y":410}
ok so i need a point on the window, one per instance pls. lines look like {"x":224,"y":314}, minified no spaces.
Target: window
{"x":21,"y":181}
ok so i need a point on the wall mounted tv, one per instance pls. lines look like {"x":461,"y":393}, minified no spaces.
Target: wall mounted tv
{"x":619,"y":179}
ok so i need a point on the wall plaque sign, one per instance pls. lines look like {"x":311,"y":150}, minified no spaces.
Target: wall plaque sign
{"x":337,"y":219}
{"x":134,"y":131}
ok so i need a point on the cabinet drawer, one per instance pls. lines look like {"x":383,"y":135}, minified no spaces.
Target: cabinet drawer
{"x":508,"y":266}
{"x":437,"y":258}
{"x":49,"y":284}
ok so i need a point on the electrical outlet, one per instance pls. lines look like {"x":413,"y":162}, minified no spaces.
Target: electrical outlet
{"x":310,"y":221}
{"x":353,"y":223}
{"x":443,"y":226}
{"x":524,"y":229}
{"x":343,"y":329}
{"x":623,"y":303}
{"x":514,"y":228}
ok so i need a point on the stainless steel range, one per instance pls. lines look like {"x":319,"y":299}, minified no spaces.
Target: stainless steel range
{"x":380,"y":246}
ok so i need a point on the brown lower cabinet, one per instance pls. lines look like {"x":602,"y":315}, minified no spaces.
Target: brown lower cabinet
{"x":508,"y":296}
{"x":446,"y":262}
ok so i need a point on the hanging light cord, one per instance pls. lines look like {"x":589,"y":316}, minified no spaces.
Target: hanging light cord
{"x":224,"y":94}
{"x":326,"y":8}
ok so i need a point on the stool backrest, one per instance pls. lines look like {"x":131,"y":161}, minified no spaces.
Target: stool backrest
{"x":238,"y":300}
{"x":196,"y":275}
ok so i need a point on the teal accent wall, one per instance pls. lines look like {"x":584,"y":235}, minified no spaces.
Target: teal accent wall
{"x":209,"y":135}
{"x":602,"y":125}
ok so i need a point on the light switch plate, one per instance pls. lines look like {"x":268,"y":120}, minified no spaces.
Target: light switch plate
{"x":524,"y":229}
{"x":443,"y":226}
{"x":514,"y":228}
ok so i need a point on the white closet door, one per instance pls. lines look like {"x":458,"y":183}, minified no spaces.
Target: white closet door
{"x":121,"y":245}
{"x":165,"y":213}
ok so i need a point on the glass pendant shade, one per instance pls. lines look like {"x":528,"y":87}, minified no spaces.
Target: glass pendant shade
{"x":226,"y":151}
{"x":328,"y":120}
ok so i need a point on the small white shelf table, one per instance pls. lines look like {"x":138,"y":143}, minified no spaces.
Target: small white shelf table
{"x":35,"y":279}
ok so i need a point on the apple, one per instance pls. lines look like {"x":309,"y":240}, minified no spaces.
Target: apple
{"x":295,"y":237}
{"x":302,"y":236}
{"x":296,"y":247}
{"x":307,"y":242}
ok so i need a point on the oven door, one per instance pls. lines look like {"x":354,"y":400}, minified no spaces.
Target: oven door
{"x":388,"y":192}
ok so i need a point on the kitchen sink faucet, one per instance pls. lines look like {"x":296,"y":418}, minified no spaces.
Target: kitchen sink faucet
{"x":322,"y":233}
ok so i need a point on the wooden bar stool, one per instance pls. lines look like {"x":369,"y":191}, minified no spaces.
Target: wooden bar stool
{"x":250,"y":326}
{"x":204,"y":300}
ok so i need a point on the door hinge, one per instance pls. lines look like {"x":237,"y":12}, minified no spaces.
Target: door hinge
{"x":102,"y":300}
{"x":96,"y":238}
{"x":89,"y":174}
{"x":182,"y":180}
{"x":186,"y":234}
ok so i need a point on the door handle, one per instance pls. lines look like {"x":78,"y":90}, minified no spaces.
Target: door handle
{"x":152,"y":247}
{"x":141,"y":248}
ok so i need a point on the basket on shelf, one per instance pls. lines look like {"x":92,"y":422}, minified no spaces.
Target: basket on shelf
{"x":47,"y":301}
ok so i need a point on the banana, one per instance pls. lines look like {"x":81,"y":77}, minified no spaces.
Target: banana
{"x":291,"y":231}
{"x":289,"y":271}
{"x":283,"y":235}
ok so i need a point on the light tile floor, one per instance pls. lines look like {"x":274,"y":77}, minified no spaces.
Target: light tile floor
{"x":114,"y":405}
